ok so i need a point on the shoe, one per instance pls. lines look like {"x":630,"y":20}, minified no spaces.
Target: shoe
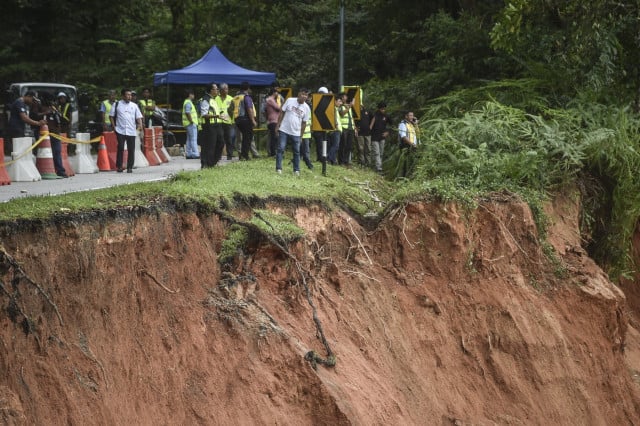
{"x":120,"y":169}
{"x":62,"y":175}
{"x":296,"y":173}
{"x":278,"y":171}
{"x":129,"y":170}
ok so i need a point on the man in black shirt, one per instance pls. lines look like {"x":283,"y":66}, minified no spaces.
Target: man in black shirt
{"x":19,"y":118}
{"x":364,"y":137}
{"x":379,"y":133}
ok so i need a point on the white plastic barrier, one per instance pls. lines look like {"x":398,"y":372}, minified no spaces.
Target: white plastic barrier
{"x":83,"y":162}
{"x":140,"y":159}
{"x":24,"y":168}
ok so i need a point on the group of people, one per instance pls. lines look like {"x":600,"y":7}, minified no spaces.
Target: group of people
{"x":218,"y":121}
{"x":290,"y":122}
{"x":31,"y":110}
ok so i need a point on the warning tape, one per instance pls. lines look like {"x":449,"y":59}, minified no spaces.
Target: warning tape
{"x":45,"y":134}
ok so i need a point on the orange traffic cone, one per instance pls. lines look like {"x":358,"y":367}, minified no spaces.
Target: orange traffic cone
{"x":4,"y":176}
{"x":65,"y":157}
{"x":44,"y":159}
{"x":103,"y":157}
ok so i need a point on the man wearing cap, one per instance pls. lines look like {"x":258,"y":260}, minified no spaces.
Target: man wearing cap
{"x":65,"y":109}
{"x":320,"y":135}
{"x":20,"y":117}
{"x":379,"y":132}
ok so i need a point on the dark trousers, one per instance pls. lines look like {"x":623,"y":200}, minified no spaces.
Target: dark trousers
{"x":212,"y":143}
{"x":226,"y":137}
{"x":246,"y":129}
{"x":131,"y":146}
{"x":318,"y":137}
{"x":56,"y":151}
{"x":273,"y":139}
{"x":346,"y":145}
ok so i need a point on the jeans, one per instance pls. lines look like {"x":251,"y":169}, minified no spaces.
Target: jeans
{"x":305,"y":153}
{"x":334,"y":144}
{"x":56,"y":150}
{"x":282,"y":145}
{"x":192,"y":141}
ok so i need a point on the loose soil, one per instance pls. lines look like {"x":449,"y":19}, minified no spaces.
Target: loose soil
{"x":437,"y":315}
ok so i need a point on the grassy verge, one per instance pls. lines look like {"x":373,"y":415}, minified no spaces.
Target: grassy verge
{"x":359,"y":189}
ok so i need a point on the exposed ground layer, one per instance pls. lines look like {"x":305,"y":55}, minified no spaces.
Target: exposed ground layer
{"x":438,"y":316}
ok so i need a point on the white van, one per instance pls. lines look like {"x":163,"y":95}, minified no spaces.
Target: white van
{"x":19,"y":89}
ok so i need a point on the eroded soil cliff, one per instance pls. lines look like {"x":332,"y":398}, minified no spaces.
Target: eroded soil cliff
{"x":436,"y":316}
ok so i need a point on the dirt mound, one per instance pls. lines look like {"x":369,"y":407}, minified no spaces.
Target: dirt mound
{"x":439,"y":315}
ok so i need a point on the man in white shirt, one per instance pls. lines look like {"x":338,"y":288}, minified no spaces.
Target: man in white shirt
{"x":294,"y":117}
{"x":126,"y":119}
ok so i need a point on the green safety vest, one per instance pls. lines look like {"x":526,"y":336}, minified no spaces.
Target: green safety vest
{"x":193,"y":113}
{"x":144,"y":107}
{"x":346,"y":120}
{"x":307,"y":131}
{"x":213,"y":107}
{"x":223,"y":107}
{"x":107,"y":110}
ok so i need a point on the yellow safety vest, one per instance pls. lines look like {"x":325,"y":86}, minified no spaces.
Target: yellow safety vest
{"x":213,"y":107}
{"x":107,"y":110}
{"x":223,"y":105}
{"x":193,"y":113}
{"x":346,"y":120}
{"x":307,"y":131}
{"x":411,"y":132}
{"x":145,"y":103}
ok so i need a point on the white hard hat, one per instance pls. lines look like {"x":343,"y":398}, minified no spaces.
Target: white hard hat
{"x":323,"y":90}
{"x":62,"y":94}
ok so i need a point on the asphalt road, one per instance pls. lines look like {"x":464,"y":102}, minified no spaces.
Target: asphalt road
{"x":85,"y":182}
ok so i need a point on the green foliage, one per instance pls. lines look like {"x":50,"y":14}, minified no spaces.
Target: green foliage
{"x":235,"y":241}
{"x":488,"y":146}
{"x":282,"y":227}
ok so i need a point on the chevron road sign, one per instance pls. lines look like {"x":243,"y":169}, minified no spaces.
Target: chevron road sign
{"x":323,"y":116}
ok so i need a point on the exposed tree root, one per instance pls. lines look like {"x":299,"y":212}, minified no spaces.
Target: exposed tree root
{"x":20,"y":273}
{"x":168,"y":290}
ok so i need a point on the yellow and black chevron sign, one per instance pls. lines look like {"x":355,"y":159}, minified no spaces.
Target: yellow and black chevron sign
{"x":323,"y":114}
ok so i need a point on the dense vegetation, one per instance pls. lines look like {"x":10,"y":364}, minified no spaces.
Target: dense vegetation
{"x":513,"y":95}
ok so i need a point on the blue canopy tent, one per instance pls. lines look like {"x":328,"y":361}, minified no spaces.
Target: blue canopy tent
{"x":213,"y":67}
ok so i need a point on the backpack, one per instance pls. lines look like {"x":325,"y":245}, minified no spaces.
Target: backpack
{"x":239,"y":109}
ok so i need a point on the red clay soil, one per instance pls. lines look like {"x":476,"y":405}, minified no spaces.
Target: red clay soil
{"x":438,"y":316}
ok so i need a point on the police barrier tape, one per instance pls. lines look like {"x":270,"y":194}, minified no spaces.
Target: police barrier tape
{"x":42,"y":137}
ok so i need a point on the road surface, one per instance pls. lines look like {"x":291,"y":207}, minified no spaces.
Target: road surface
{"x":84,"y":182}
